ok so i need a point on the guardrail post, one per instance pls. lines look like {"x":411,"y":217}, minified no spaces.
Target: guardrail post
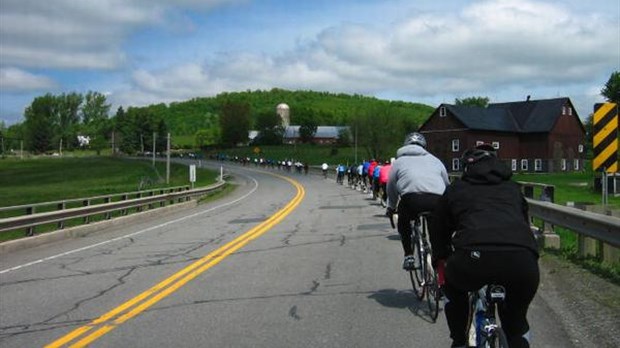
{"x":107,"y":215}
{"x":139,"y":195}
{"x":162,"y":203}
{"x":151,"y":194}
{"x":124,"y":211}
{"x":86,"y":203}
{"x":548,"y":194}
{"x":61,"y":206}
{"x":30,"y":230}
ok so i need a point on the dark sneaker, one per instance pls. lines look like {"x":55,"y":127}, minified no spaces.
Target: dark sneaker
{"x":409,"y":263}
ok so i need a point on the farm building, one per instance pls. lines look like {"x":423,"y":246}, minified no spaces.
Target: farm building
{"x":324,"y":134}
{"x":531,"y":136}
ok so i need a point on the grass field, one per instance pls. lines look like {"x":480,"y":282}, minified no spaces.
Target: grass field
{"x":48,"y":179}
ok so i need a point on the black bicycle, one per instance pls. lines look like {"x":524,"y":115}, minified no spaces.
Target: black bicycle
{"x":423,"y":276}
{"x":483,"y":327}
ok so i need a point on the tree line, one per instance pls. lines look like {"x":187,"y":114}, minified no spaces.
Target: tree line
{"x":53,"y":122}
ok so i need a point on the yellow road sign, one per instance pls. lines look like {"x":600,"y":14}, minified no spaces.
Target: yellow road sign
{"x":605,"y":140}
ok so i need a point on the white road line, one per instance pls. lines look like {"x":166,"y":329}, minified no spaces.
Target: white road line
{"x":133,"y":234}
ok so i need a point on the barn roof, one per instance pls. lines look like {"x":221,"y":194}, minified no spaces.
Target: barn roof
{"x":321,"y":131}
{"x":530,"y":116}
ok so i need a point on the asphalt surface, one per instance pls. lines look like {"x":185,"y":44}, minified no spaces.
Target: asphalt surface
{"x":320,"y":268}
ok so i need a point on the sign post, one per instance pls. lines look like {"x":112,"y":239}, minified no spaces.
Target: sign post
{"x":605,"y":143}
{"x":192,"y":174}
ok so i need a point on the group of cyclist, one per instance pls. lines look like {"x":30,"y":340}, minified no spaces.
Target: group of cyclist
{"x":478,"y":226}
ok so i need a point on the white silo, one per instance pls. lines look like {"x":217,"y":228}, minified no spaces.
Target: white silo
{"x":284,"y":112}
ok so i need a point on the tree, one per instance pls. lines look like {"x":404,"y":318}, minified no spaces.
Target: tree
{"x":69,"y":118}
{"x":308,"y":124}
{"x":95,"y":108}
{"x":95,"y":122}
{"x":482,"y":102}
{"x":235,"y":122}
{"x":611,"y":91}
{"x":41,"y":121}
{"x":270,"y":130}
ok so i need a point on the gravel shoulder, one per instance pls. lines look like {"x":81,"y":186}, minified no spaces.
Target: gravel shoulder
{"x":586,"y":305}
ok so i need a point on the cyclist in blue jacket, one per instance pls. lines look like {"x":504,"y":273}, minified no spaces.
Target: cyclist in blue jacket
{"x":481,"y":226}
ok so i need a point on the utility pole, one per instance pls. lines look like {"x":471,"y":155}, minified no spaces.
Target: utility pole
{"x":355,"y":142}
{"x":154,"y":135}
{"x":113,"y":143}
{"x":168,"y":160}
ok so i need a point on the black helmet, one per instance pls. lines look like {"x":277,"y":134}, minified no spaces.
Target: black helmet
{"x":415,"y":138}
{"x":478,"y":153}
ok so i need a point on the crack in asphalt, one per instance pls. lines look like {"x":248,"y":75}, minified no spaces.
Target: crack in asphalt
{"x":26,"y":328}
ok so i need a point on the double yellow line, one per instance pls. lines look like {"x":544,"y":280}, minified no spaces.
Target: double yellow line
{"x":85,"y":335}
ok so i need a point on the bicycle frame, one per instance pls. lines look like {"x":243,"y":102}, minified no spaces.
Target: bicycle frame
{"x":483,"y":326}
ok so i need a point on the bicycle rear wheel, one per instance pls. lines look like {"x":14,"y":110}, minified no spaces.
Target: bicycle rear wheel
{"x":417,"y":275}
{"x":497,"y":340}
{"x":432,"y":291}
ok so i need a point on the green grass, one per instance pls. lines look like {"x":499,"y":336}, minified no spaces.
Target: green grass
{"x":49,"y":179}
{"x":570,"y":187}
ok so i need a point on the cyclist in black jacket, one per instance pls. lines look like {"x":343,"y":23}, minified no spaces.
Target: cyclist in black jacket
{"x":480,"y":227}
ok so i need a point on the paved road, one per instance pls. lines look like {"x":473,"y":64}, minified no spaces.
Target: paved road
{"x":278,"y":263}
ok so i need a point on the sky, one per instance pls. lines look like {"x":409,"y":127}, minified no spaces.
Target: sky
{"x":141,"y":52}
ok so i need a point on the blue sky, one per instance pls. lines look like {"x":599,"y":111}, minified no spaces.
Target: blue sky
{"x":140,"y":52}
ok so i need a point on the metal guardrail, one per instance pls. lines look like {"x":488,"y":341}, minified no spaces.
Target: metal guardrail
{"x":62,"y":204}
{"x":59,"y":216}
{"x":600,"y":227}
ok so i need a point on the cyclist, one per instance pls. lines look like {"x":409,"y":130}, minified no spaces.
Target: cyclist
{"x":371,"y":170}
{"x":481,"y":226}
{"x":375,"y":179}
{"x":383,"y":178}
{"x":418,"y":178}
{"x":324,"y":168}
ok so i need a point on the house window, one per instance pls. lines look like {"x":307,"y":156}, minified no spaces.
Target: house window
{"x":442,"y":111}
{"x":456,"y":164}
{"x":495,"y":145}
{"x":570,"y":111}
{"x":479,"y":142}
{"x":514,"y":165}
{"x":580,"y":148}
{"x":538,"y":165}
{"x":563,"y":163}
{"x":563,"y":110}
{"x":524,"y":165}
{"x":576,"y":164}
{"x":455,"y":145}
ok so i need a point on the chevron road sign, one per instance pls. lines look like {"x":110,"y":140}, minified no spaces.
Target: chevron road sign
{"x":605,"y":142}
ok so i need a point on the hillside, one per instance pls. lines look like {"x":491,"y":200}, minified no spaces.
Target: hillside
{"x":187,"y":117}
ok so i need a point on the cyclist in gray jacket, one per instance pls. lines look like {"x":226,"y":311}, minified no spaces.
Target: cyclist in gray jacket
{"x":417,"y":180}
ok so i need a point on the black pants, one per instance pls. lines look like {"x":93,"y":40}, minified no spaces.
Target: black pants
{"x":410,"y":206}
{"x":516,"y":270}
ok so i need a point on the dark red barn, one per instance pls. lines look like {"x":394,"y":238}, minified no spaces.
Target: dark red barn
{"x":531,"y":136}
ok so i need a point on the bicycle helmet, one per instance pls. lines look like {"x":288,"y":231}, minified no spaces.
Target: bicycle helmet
{"x":415,"y":138}
{"x":477,"y":154}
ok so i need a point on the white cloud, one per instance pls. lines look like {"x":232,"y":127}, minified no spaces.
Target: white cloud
{"x":428,"y":51}
{"x":77,"y":34}
{"x":514,"y":45}
{"x":16,"y":80}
